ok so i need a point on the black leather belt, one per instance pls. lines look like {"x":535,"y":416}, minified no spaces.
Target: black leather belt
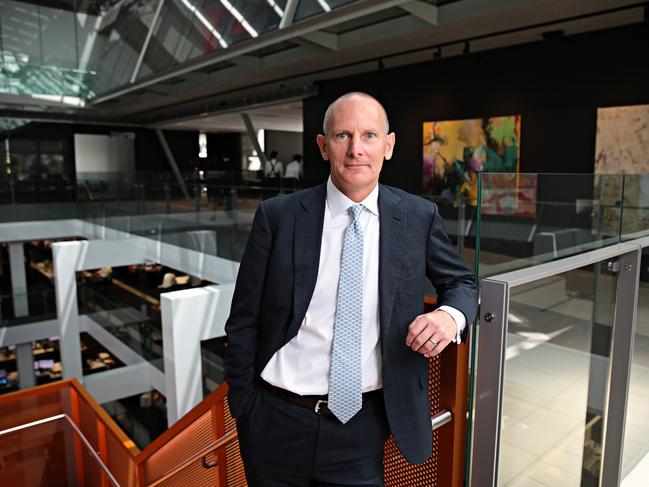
{"x":317,"y":404}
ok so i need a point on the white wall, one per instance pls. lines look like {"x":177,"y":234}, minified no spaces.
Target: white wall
{"x":104,"y":157}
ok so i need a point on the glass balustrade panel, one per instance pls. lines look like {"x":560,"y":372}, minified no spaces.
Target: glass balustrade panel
{"x":555,"y":379}
{"x":635,"y":208}
{"x":527,"y":219}
{"x":32,"y":306}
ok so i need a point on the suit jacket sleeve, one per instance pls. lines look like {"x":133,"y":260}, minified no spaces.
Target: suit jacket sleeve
{"x":242,"y":325}
{"x":453,"y":282}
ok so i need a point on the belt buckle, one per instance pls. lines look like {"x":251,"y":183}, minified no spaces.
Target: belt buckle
{"x":318,"y":405}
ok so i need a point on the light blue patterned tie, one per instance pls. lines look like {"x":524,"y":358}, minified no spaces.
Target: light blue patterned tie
{"x":345,"y":378}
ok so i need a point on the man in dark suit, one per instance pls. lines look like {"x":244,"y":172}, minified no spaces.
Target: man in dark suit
{"x":327,"y":340}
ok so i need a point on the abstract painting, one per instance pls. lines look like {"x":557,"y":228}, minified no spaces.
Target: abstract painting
{"x":622,"y":147}
{"x":456,"y":151}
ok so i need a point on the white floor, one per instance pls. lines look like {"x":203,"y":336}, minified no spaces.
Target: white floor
{"x":548,"y":374}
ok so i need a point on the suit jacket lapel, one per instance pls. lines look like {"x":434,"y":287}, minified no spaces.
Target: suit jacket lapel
{"x":307,"y":240}
{"x":392,"y":219}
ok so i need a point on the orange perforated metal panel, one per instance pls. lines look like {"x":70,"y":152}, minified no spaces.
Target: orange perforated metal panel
{"x":195,"y":475}
{"x":35,"y":454}
{"x":118,"y":461}
{"x":28,"y":405}
{"x":181,"y":447}
{"x":236,"y":475}
{"x":398,"y":471}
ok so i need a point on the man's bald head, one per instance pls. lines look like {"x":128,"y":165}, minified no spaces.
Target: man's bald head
{"x":348,"y":96}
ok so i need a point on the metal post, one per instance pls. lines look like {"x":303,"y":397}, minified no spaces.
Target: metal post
{"x":232,"y":200}
{"x":119,"y":197}
{"x":623,"y":335}
{"x":172,"y":162}
{"x":461,"y":216}
{"x":197,"y":198}
{"x":167,"y":199}
{"x":143,"y":198}
{"x":494,"y":310}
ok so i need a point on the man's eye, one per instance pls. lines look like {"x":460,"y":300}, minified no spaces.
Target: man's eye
{"x":341,"y":136}
{"x":370,"y":135}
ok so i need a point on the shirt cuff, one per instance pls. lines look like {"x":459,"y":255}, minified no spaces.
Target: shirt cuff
{"x":459,"y":318}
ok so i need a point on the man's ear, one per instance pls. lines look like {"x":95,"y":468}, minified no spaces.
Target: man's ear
{"x":321,"y":140}
{"x":390,"y":140}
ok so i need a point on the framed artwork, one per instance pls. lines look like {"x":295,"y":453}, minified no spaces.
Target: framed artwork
{"x":621,"y":147}
{"x":455,"y":151}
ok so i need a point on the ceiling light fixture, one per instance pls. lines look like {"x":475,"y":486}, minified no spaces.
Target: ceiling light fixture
{"x":325,"y":6}
{"x":201,"y":18}
{"x":276,"y":8}
{"x":240,"y":18}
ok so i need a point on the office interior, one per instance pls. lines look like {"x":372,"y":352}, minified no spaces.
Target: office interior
{"x":135,"y":145}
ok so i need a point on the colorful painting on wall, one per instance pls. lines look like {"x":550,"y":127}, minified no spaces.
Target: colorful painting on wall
{"x":622,"y":147}
{"x":456,"y":151}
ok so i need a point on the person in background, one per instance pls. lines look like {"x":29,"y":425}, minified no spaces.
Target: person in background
{"x":294,"y":168}
{"x":274,"y":167}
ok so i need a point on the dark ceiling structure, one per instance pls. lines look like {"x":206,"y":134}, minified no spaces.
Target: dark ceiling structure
{"x":173,"y":63}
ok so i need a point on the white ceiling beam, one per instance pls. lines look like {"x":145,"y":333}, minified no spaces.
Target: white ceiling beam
{"x":322,"y":38}
{"x":421,"y":10}
{"x":140,"y":58}
{"x":289,"y":13}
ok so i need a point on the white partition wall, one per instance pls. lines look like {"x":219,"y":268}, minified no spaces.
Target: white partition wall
{"x":189,"y":316}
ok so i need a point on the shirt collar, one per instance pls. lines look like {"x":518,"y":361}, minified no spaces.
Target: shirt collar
{"x":338,"y":203}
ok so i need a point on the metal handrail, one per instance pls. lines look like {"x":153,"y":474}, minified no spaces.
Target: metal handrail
{"x":67,"y":418}
{"x":440,"y":419}
{"x":220,"y":442}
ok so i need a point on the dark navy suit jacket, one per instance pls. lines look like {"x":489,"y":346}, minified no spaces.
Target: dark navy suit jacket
{"x":276,"y":281}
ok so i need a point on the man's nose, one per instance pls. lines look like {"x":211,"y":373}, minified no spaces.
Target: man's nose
{"x":355,"y":145}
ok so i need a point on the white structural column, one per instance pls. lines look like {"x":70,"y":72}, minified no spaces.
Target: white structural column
{"x":189,"y":316}
{"x":18,"y":278}
{"x":66,"y":258}
{"x":24,"y":351}
{"x":25,"y":365}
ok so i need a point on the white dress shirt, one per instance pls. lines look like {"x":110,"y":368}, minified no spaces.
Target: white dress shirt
{"x":273,"y":168}
{"x":302,"y":365}
{"x":293,"y":170}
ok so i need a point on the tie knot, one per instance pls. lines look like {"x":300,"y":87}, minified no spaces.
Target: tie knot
{"x":356,"y":211}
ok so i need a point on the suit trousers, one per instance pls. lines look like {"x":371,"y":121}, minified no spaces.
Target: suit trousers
{"x":286,"y":445}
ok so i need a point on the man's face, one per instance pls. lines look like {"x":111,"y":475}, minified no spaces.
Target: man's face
{"x":355,"y":146}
